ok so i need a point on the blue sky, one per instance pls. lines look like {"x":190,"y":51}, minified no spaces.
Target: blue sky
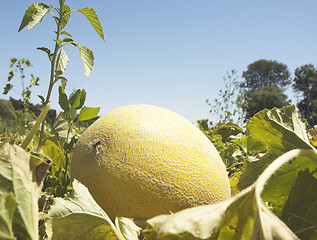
{"x":170,"y":53}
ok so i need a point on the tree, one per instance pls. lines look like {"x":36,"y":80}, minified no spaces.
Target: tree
{"x":305,"y":85}
{"x":266,"y":97}
{"x":265,"y":73}
{"x":263,"y":86}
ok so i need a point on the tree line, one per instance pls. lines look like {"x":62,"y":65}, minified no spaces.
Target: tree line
{"x":263,"y":85}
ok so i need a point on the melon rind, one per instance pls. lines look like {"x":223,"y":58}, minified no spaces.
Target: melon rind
{"x":140,"y":161}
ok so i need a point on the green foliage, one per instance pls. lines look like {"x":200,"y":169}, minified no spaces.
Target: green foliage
{"x":300,"y":208}
{"x":58,"y":58}
{"x":20,"y":189}
{"x":223,"y":136}
{"x":87,"y":219}
{"x":267,"y":97}
{"x":7,"y":112}
{"x":20,"y":66}
{"x":305,"y":85}
{"x":263,"y":86}
{"x":269,"y":137}
{"x":64,"y":134}
{"x":227,"y":107}
{"x":265,"y":73}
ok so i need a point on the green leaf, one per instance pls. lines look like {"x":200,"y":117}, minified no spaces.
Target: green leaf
{"x":52,"y":151}
{"x":7,"y":208}
{"x":11,"y":75}
{"x":87,"y":113}
{"x":61,"y":126}
{"x":200,"y":222}
{"x":241,"y":217}
{"x":82,"y":99}
{"x":66,"y":15}
{"x":63,"y":100}
{"x":16,"y":177}
{"x":34,"y":15}
{"x":77,"y":100}
{"x":7,"y":88}
{"x":80,"y":211}
{"x":13,"y":61}
{"x":34,"y":81}
{"x":280,"y":130}
{"x":47,"y":51}
{"x":41,"y":98}
{"x":87,"y":57}
{"x":300,"y":211}
{"x":62,"y":60}
{"x":66,"y":33}
{"x":91,"y":15}
{"x":74,"y":98}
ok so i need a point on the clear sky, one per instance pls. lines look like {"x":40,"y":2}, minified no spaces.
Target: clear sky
{"x":170,"y":53}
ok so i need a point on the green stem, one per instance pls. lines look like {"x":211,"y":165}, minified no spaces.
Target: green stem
{"x":51,"y":83}
{"x":40,"y":119}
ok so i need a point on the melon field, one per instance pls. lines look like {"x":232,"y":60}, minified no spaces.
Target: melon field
{"x":145,"y":172}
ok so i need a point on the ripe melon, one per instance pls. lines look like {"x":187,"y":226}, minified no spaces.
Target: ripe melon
{"x":140,"y":161}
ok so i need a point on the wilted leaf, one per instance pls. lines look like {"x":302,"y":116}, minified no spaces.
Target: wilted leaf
{"x":91,"y":15}
{"x":34,"y":15}
{"x":80,"y":211}
{"x":87,"y":113}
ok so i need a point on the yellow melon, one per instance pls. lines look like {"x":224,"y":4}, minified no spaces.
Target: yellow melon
{"x":140,"y":161}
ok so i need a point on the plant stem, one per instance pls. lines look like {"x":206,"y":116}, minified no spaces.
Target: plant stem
{"x":53,"y":60}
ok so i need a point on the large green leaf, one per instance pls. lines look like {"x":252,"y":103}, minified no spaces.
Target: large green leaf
{"x":280,"y":130}
{"x":7,"y":208}
{"x":34,"y":15}
{"x":92,"y":16}
{"x":241,"y":217}
{"x":17,"y":178}
{"x":244,"y":216}
{"x":300,"y":211}
{"x":80,"y":211}
{"x":87,"y":57}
